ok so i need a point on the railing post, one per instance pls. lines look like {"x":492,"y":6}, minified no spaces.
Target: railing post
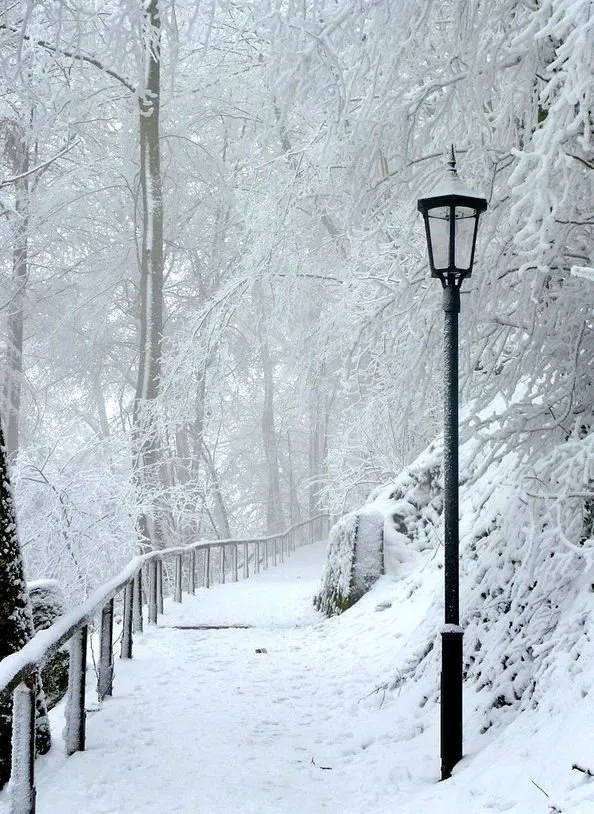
{"x":22,"y":779}
{"x":235,"y":558}
{"x":126,"y":651}
{"x":177,"y":590}
{"x":153,"y":588}
{"x":75,"y":704}
{"x":192,"y":572}
{"x":283,"y":542}
{"x":146,"y":579}
{"x":222,"y":573}
{"x":275,"y":559}
{"x":266,"y":560}
{"x":160,"y":586}
{"x":137,"y":602}
{"x":207,"y":567}
{"x":257,"y":557}
{"x":246,"y":561}
{"x":105,"y":678}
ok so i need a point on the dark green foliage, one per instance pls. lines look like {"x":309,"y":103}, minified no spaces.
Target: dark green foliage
{"x":16,"y":622}
{"x":47,"y":604}
{"x":354,"y":561}
{"x":335,"y":593}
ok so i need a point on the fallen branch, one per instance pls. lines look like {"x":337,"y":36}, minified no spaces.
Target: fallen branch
{"x":553,"y":809}
{"x":581,"y":769}
{"x":540,"y":788}
{"x":326,"y":768}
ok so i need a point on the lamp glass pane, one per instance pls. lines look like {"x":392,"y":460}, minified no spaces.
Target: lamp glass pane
{"x":465,"y":227}
{"x":439,"y":230}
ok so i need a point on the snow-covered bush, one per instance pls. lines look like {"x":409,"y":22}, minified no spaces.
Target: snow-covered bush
{"x":47,"y":604}
{"x":354,"y":561}
{"x":526,"y":558}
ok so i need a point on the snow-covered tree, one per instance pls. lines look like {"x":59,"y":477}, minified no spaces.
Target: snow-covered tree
{"x":16,"y":621}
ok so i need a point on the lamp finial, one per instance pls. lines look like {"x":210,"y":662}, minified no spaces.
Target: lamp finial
{"x":452,"y":162}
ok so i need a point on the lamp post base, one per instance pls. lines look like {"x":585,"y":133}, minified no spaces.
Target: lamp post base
{"x":451,"y":699}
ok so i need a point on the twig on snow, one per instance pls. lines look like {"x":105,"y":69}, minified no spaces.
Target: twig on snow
{"x":540,"y":788}
{"x":553,"y":809}
{"x":326,"y":768}
{"x":583,"y":770}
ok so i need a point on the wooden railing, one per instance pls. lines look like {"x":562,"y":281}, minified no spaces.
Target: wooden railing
{"x":19,"y":672}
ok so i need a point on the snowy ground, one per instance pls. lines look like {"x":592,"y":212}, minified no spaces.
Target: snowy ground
{"x":200,"y":723}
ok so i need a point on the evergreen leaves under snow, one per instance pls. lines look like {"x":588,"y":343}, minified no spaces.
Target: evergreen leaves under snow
{"x":526,"y":567}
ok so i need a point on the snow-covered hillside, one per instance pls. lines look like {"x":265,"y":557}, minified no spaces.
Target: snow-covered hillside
{"x":288,"y":712}
{"x":527,"y":595}
{"x":525,"y":559}
{"x":332,"y":715}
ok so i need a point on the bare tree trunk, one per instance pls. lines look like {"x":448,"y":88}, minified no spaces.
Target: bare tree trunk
{"x":221,"y":525}
{"x":274,"y":511}
{"x":295,"y":515}
{"x":318,"y":450}
{"x":17,"y":152}
{"x":148,"y":444}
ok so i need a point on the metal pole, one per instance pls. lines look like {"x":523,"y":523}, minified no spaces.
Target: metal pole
{"x":159,"y":586}
{"x":192,"y":572}
{"x":137,"y":603}
{"x":451,"y":637}
{"x":22,"y":778}
{"x":177,"y":589}
{"x":75,"y":704}
{"x":207,"y":567}
{"x":153,"y":591}
{"x":127,"y":624}
{"x":105,"y":677}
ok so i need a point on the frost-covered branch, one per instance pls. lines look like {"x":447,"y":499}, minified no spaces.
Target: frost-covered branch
{"x":39,"y":167}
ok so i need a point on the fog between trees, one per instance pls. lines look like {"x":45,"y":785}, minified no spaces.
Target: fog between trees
{"x":216,"y":309}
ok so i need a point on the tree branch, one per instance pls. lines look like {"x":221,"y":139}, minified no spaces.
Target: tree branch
{"x":73,"y":55}
{"x":39,"y":167}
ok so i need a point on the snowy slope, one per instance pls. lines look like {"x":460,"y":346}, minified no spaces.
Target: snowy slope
{"x":338,"y":715}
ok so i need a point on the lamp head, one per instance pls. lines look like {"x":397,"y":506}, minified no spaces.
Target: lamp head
{"x":451,"y":215}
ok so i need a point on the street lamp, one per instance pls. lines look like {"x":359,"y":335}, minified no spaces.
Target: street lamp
{"x":451,"y":214}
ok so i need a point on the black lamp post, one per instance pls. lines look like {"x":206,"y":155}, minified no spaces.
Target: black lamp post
{"x":451,"y":214}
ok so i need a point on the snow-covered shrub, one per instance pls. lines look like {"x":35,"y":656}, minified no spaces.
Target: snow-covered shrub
{"x":412,"y":507}
{"x":76,"y":514}
{"x":354,"y":561}
{"x":47,"y":604}
{"x":526,"y":559}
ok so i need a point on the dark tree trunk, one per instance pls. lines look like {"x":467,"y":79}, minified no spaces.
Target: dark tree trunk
{"x":148,"y":445}
{"x":17,"y":153}
{"x":274,"y":512}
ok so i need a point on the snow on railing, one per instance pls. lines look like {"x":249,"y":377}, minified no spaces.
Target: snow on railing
{"x":19,"y":671}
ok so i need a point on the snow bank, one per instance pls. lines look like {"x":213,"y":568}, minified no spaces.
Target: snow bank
{"x":526,"y":566}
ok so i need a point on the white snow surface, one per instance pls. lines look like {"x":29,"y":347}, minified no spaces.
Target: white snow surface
{"x":325,"y":720}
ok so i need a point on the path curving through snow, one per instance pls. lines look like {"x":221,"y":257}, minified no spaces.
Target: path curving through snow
{"x":201,"y":722}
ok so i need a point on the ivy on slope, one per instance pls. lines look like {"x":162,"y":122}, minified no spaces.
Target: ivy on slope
{"x":526,"y":577}
{"x":354,"y":561}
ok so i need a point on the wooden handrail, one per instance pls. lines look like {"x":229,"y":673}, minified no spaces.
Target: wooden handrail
{"x":19,"y":671}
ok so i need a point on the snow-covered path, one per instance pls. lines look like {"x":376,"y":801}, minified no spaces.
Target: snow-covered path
{"x":202,"y":722}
